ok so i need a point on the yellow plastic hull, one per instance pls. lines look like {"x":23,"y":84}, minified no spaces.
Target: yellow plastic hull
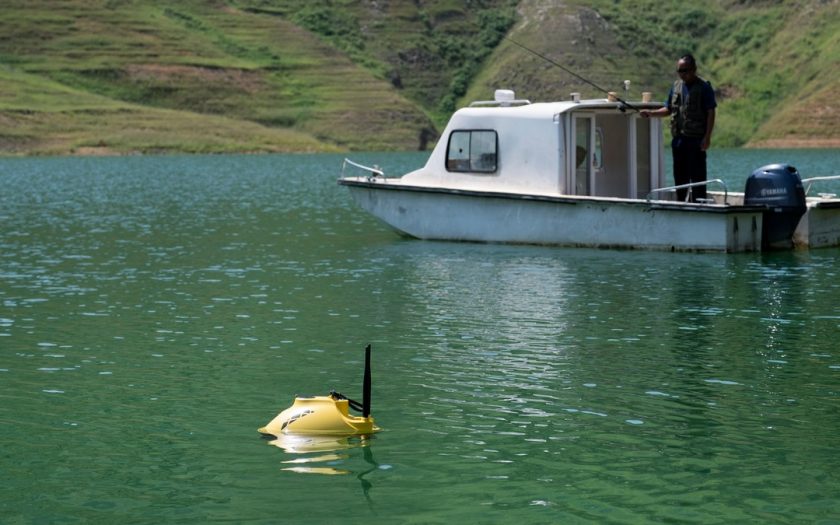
{"x":319,"y":415}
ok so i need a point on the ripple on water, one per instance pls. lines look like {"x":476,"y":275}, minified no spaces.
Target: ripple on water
{"x":721,"y":382}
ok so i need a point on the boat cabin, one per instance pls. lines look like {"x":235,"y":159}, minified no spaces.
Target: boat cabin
{"x":595,"y":148}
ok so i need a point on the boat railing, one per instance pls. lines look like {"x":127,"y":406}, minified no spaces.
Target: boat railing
{"x":499,"y":104}
{"x":374,"y":170}
{"x":811,"y":180}
{"x":691,"y":185}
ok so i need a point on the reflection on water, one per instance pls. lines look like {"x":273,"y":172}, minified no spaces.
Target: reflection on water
{"x":303,"y":444}
{"x":545,"y":364}
{"x":312,"y":450}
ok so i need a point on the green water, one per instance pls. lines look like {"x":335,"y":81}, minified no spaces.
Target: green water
{"x":154,"y":312}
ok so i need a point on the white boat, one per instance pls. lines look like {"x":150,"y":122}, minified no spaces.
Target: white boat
{"x":572,"y":173}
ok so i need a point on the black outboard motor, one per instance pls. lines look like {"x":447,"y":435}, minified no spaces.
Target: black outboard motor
{"x":778,"y":187}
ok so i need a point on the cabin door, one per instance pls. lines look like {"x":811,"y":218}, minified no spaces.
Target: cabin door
{"x":583,"y":156}
{"x":643,"y":157}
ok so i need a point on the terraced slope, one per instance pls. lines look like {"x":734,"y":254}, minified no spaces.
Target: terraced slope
{"x":193,"y":78}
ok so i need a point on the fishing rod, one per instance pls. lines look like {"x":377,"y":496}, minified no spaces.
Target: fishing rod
{"x":569,"y":71}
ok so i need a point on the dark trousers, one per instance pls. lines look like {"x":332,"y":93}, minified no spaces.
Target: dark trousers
{"x":689,"y":166}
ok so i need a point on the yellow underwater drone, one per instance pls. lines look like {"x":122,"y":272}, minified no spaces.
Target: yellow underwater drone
{"x":326,"y":415}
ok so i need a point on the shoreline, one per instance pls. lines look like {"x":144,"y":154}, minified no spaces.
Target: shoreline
{"x":88,"y":151}
{"x":829,"y":143}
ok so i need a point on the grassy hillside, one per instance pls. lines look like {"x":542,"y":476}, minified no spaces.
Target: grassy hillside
{"x":781,"y":67}
{"x":45,"y":117}
{"x":120,"y":76}
{"x":248,"y":75}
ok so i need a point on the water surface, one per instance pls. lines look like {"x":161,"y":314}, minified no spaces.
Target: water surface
{"x":155,"y":311}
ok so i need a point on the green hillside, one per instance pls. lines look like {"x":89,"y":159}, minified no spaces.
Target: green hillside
{"x":123,"y":76}
{"x":774,"y":64}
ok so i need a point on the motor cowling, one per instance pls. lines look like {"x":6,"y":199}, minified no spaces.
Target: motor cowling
{"x":779,"y":188}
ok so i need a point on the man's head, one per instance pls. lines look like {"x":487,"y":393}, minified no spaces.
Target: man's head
{"x":687,"y":68}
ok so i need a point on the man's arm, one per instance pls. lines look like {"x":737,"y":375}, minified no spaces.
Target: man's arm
{"x":659,"y":112}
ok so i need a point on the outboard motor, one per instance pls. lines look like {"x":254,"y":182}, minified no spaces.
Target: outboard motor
{"x":779,"y":187}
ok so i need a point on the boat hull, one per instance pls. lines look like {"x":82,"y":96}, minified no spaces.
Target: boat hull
{"x":820,"y":226}
{"x":480,"y":216}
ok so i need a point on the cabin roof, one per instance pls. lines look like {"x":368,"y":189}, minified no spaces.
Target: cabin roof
{"x":549,"y":109}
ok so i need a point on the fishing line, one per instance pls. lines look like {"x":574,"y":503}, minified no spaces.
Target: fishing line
{"x":569,"y":71}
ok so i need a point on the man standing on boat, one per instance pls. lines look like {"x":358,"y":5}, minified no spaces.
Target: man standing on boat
{"x":691,"y":105}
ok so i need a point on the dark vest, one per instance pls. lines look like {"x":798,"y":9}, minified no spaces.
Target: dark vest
{"x":688,"y":118}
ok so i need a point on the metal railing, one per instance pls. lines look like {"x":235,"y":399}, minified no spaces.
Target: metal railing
{"x":375,"y":169}
{"x":811,"y":180}
{"x":692,"y":185}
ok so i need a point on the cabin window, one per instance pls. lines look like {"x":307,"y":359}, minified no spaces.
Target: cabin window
{"x":472,"y":151}
{"x":598,"y":159}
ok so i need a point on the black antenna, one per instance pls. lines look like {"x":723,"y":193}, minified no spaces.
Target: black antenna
{"x":366,"y":385}
{"x":569,"y":71}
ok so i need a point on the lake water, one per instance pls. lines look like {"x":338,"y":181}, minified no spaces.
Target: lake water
{"x":155,"y":311}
